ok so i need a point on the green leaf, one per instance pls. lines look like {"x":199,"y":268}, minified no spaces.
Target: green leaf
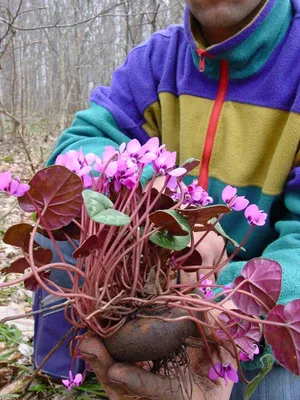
{"x":168,"y":241}
{"x":112,"y":217}
{"x":95,"y":203}
{"x":171,"y":221}
{"x":267,"y":362}
{"x":220,"y":231}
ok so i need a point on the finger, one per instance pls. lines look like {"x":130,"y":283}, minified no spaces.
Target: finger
{"x":145,"y":384}
{"x":95,"y":353}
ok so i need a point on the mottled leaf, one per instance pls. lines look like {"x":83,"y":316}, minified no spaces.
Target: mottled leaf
{"x":168,"y":241}
{"x":95,"y":203}
{"x":112,"y":217}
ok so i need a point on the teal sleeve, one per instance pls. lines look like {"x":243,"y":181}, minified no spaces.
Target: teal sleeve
{"x":92,"y":130}
{"x":285,"y":250}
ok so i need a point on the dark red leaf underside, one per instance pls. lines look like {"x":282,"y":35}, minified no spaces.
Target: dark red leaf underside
{"x":56,"y":192}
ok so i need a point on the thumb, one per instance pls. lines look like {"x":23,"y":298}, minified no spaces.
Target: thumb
{"x":145,"y":384}
{"x":94,"y":352}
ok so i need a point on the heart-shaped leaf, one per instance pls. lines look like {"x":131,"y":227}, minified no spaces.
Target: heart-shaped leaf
{"x":285,"y":339}
{"x":251,"y":337}
{"x":164,"y":202}
{"x":168,"y":241}
{"x":112,"y":217}
{"x":17,"y":267}
{"x":267,"y":362}
{"x":262,"y":278}
{"x":190,"y":164}
{"x":95,"y":203}
{"x":88,"y":246}
{"x":32,"y":284}
{"x":237,"y":327}
{"x":202,"y":215}
{"x":56,"y":192}
{"x":72,"y":230}
{"x":171,"y":221}
{"x":41,"y":257}
{"x":18,"y":235}
{"x":192,"y":263}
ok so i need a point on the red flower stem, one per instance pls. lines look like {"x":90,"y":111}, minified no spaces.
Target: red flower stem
{"x":127,"y":251}
{"x":123,"y":230}
{"x":41,"y":218}
{"x":217,"y":268}
{"x":77,"y":224}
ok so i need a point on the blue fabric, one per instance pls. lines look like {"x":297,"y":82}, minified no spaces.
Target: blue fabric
{"x":50,"y":326}
{"x":279,"y":384}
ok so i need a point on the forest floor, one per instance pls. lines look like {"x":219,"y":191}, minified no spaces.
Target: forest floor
{"x":16,"y":337}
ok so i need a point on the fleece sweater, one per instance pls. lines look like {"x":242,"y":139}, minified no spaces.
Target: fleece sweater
{"x":169,"y":86}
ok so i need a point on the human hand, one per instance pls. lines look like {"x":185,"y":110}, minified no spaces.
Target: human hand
{"x":123,"y":381}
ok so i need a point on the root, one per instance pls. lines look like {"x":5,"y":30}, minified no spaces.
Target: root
{"x":177,"y":366}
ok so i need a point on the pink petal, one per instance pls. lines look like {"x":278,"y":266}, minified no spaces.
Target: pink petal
{"x":171,"y":160}
{"x":147,"y":158}
{"x":251,"y":210}
{"x":108,"y":153}
{"x":213,"y":374}
{"x":14,"y":183}
{"x":66,"y":382}
{"x":172,"y":183}
{"x":5,"y":178}
{"x":228,"y":193}
{"x":85,"y":170}
{"x":111,"y":169}
{"x":87,"y":181}
{"x":244,"y":357}
{"x":122,"y":147}
{"x":153,"y":144}
{"x":232,"y":374}
{"x":78,"y":379}
{"x":240,"y":203}
{"x":133,"y":146}
{"x":22,"y":188}
{"x":177,"y":171}
{"x":90,"y":158}
{"x":59,"y":160}
{"x":262,"y":219}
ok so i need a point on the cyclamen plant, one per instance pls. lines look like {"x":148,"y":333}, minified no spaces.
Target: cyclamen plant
{"x":130,"y":244}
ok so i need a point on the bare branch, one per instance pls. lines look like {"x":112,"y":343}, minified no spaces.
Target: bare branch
{"x":57,"y":26}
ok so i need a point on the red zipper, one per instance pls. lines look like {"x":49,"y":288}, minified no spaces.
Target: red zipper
{"x":213,"y":125}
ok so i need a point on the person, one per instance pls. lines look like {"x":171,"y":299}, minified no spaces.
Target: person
{"x":223,"y":88}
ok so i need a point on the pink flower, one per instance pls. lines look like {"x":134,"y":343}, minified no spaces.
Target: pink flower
{"x":78,"y":163}
{"x":233,"y":201}
{"x":107,"y":160}
{"x":248,"y":357}
{"x":255,"y":216}
{"x":12,"y":186}
{"x":137,"y":154}
{"x":164,"y":162}
{"x":206,"y":289}
{"x":72,"y":382}
{"x":194,"y":195}
{"x":225,"y":371}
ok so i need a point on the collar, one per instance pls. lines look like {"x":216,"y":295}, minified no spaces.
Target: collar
{"x":248,"y":50}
